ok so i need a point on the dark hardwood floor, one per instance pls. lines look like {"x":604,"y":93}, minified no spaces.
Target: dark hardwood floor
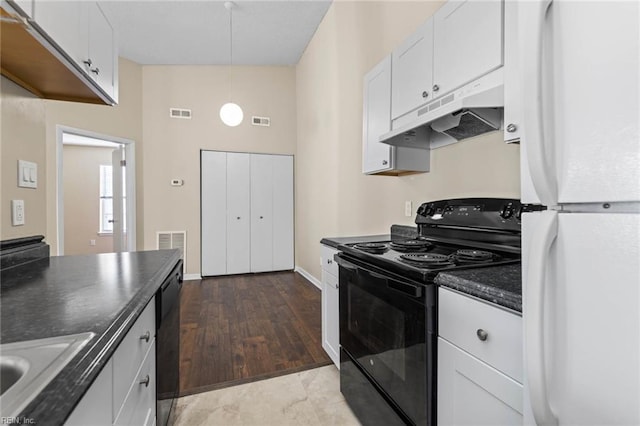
{"x":242,"y":328}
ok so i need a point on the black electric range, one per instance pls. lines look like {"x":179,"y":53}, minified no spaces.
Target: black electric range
{"x":388,"y":303}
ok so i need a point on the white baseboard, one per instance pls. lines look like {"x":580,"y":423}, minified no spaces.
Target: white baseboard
{"x":191,"y":277}
{"x":309,"y":277}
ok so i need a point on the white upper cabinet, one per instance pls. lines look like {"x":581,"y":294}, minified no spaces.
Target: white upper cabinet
{"x":412,"y":71}
{"x":66,"y":23}
{"x":84,"y":34}
{"x":512,"y":109}
{"x":102,"y":51}
{"x":25,"y":7}
{"x":467,"y":43}
{"x":376,"y":156}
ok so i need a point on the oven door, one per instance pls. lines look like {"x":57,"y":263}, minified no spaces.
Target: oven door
{"x":382,"y":328}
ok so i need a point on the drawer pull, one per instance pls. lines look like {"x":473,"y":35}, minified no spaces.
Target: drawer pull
{"x":482,"y":335}
{"x":146,"y":336}
{"x":145,"y":381}
{"x":329,"y":261}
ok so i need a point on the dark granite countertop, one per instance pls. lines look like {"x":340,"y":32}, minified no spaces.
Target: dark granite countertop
{"x":397,"y":231}
{"x":103,"y":294}
{"x":501,"y":285}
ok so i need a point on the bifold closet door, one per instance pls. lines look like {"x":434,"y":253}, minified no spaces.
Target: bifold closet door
{"x":238,"y":213}
{"x":261,"y":213}
{"x":213,"y":166}
{"x":282,"y":212}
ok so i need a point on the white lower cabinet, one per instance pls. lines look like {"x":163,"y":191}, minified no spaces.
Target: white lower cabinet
{"x":330,"y":305}
{"x":125,"y":391}
{"x":471,"y":392}
{"x":479,"y":362}
{"x":95,"y":406}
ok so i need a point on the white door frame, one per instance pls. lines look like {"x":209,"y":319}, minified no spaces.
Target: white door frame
{"x":130,"y":152}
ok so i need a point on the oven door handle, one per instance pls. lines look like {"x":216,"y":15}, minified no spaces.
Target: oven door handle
{"x":406,"y":288}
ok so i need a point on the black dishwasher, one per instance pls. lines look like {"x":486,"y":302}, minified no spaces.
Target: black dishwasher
{"x":168,"y":346}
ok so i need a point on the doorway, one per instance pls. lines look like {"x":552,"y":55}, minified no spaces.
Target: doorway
{"x":96,"y":193}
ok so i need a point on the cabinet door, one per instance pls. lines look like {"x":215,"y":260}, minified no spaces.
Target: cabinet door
{"x":95,"y":406}
{"x":412,"y":71}
{"x":238,"y":213}
{"x":330,"y":317}
{"x":467,"y":42}
{"x":65,"y":22}
{"x":282,"y":212}
{"x":471,"y":392}
{"x":512,"y":97}
{"x":102,"y":50}
{"x":213,"y":237}
{"x":376,"y":118}
{"x":261,"y":213}
{"x":23,"y":6}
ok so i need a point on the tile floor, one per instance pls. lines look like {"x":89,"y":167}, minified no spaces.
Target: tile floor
{"x":311,"y":397}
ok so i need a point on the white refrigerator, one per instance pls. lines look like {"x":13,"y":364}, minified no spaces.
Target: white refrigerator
{"x":580,"y":152}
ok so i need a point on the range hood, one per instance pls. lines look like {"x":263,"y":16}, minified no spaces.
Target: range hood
{"x":472,"y":110}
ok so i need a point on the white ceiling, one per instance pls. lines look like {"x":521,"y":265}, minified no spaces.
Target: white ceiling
{"x":197,"y":32}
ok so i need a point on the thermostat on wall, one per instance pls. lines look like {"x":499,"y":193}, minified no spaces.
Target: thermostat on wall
{"x":177,"y":182}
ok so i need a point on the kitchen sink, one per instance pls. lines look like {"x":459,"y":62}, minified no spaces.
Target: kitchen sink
{"x":27,"y":367}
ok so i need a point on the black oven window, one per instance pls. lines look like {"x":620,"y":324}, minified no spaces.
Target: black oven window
{"x":376,"y":325}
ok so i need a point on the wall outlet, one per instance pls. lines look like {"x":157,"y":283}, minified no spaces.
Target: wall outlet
{"x":92,"y":242}
{"x":408,"y":209}
{"x":17,"y":212}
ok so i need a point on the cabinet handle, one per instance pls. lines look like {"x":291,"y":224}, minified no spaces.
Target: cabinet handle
{"x":261,"y":217}
{"x":238,"y":218}
{"x":482,"y":335}
{"x":145,"y":381}
{"x":385,"y":162}
{"x":512,"y":128}
{"x":88,"y":62}
{"x":436,"y":87}
{"x":329,"y":261}
{"x":425,"y":94}
{"x":95,"y":70}
{"x":146,"y":336}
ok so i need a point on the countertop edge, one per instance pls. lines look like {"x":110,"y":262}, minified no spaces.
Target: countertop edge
{"x":80,"y":373}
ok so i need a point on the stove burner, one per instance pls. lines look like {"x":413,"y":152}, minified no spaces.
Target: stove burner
{"x":411,"y":245}
{"x":375,"y":248}
{"x":426,"y":260}
{"x":474,"y":256}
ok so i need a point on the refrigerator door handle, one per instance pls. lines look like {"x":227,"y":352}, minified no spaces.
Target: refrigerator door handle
{"x":531,"y":19}
{"x":539,"y":248}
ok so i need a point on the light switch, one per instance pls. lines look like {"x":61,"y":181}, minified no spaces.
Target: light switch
{"x":27,"y":174}
{"x":17,"y":212}
{"x":408,"y":209}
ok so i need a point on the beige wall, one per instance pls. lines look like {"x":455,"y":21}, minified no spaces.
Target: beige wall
{"x":81,"y":191}
{"x":172,"y":147}
{"x":333,"y":197}
{"x":22,"y":133}
{"x":123,"y":121}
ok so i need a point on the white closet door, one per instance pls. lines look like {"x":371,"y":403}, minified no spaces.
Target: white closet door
{"x":238,"y":210}
{"x":213,"y":166}
{"x":261,"y":213}
{"x":282,"y":212}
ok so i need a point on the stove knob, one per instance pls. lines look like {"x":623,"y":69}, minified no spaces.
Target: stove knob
{"x":507,"y":211}
{"x":426,"y":210}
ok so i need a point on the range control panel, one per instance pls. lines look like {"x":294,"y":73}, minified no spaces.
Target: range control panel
{"x":490,"y":213}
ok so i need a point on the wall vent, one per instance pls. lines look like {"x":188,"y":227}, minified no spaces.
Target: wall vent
{"x":180,"y":113}
{"x":261,"y":121}
{"x":173,"y":240}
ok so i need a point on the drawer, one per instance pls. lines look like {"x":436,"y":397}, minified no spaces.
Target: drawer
{"x":328,"y":264}
{"x":139,"y":408}
{"x":130,"y":354}
{"x":461,"y":317}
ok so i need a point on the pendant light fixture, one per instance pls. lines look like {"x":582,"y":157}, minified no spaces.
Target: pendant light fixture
{"x":231,"y":114}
